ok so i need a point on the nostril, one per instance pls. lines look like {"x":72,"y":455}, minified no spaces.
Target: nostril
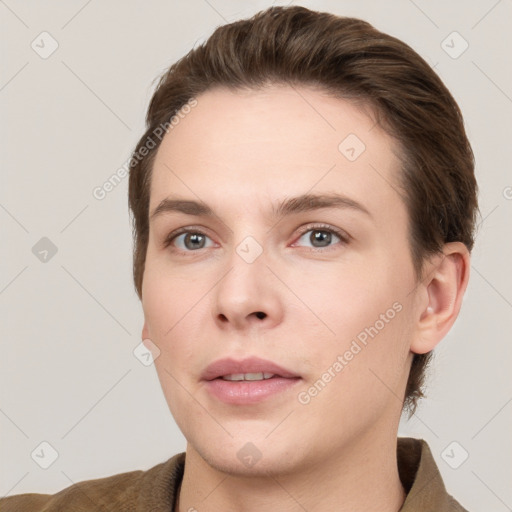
{"x":261,"y":315}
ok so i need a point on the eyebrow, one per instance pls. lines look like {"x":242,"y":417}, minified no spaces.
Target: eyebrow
{"x":286,"y":207}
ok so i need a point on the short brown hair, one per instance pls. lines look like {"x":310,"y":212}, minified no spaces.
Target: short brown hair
{"x":350,"y":59}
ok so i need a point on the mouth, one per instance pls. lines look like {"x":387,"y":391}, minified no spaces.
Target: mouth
{"x":247,"y":381}
{"x":248,"y":376}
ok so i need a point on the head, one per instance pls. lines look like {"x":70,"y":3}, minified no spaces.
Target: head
{"x":267,"y":113}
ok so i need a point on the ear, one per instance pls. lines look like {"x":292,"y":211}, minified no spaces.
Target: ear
{"x":443,"y":288}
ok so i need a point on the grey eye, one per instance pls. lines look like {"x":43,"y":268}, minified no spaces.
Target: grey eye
{"x":319,"y":237}
{"x":191,"y":241}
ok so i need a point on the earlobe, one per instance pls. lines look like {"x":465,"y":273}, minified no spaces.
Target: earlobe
{"x":445,"y":285}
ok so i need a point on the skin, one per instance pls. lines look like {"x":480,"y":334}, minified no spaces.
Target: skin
{"x":241,"y":153}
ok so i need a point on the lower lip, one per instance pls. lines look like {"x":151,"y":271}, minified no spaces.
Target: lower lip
{"x":243,"y":392}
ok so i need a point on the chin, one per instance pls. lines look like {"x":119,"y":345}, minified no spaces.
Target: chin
{"x":245,"y":458}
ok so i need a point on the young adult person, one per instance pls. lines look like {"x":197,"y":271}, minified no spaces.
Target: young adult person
{"x":304,"y":204}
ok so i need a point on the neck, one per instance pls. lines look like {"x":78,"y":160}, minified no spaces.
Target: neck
{"x":363,"y":477}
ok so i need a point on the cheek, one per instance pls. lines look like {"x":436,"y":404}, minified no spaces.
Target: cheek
{"x":364,"y":317}
{"x":169,"y":305}
{"x":349,"y":300}
{"x":353,"y":383}
{"x":167,"y":297}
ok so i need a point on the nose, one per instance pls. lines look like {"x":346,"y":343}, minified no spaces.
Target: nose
{"x":248,"y":296}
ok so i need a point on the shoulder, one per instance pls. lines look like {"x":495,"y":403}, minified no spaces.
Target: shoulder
{"x":82,"y":496}
{"x":124,"y":491}
{"x":422,"y":479}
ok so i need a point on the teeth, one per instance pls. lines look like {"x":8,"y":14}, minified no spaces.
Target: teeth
{"x":248,"y":376}
{"x":234,"y":376}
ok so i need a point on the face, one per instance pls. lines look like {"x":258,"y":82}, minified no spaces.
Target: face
{"x":308,"y":300}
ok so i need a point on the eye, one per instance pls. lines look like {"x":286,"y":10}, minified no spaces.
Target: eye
{"x":188,"y":241}
{"x":322,"y":236}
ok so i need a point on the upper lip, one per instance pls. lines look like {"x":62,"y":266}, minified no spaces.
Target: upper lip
{"x":228,"y":366}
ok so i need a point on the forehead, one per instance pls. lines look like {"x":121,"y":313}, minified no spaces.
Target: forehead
{"x":245,"y":147}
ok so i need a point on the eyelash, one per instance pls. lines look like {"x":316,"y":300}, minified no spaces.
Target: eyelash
{"x":342,"y":235}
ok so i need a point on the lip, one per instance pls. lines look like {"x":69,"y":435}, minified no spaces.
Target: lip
{"x":247,"y":392}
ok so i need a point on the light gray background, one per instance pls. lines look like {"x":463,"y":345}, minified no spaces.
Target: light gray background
{"x":70,"y":325}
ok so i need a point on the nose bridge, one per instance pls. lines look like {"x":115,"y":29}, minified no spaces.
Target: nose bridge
{"x":246,"y":294}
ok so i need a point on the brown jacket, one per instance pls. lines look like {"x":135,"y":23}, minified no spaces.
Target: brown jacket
{"x":155,"y":490}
